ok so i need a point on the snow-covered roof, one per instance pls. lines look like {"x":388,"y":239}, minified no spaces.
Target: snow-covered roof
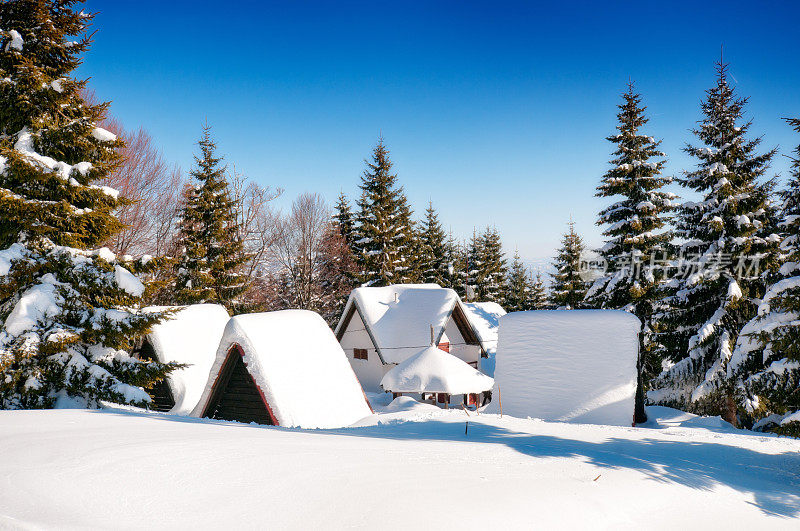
{"x":568,"y":365}
{"x":398,"y":317}
{"x":299,"y":366}
{"x":485,"y":319}
{"x":190,"y":336}
{"x":432,"y":370}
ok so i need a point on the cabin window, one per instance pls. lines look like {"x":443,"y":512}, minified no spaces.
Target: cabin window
{"x":473,"y":363}
{"x":360,"y":354}
{"x":444,"y":346}
{"x":441,"y":398}
{"x":472,"y":399}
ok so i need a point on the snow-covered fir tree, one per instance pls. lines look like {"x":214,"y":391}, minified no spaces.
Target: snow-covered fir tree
{"x":457,"y":266}
{"x":729,"y":246}
{"x":493,"y":269}
{"x":636,"y":251}
{"x":68,"y":312}
{"x":209,"y":268}
{"x":537,"y":294}
{"x":518,"y":287}
{"x":568,"y":288}
{"x":433,"y":257}
{"x":473,"y":259}
{"x":345,"y":221}
{"x":765,"y":365}
{"x":384,"y":230}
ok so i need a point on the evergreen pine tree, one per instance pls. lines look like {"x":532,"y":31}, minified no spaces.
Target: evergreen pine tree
{"x":344,"y":221}
{"x":384,"y":230}
{"x":537,"y":294}
{"x":518,"y":288}
{"x":457,"y":266}
{"x":473,"y":274}
{"x":434,"y":265}
{"x":209,"y":268}
{"x":568,"y":288}
{"x":636,"y":250}
{"x":493,"y":269}
{"x":729,"y":243}
{"x":765,"y":365}
{"x":68,"y":313}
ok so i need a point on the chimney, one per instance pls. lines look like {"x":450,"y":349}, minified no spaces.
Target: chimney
{"x":396,"y":297}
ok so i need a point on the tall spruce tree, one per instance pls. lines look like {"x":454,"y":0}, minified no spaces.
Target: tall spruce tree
{"x":209,"y":269}
{"x":568,"y":288}
{"x":473,"y":275}
{"x":344,"y":221}
{"x":637,"y":246}
{"x":384,"y":229}
{"x":537,"y":294}
{"x":493,"y":268}
{"x":457,"y":266}
{"x":518,"y":287}
{"x":729,"y":244}
{"x":68,"y":312}
{"x":433,"y":261}
{"x":765,"y":365}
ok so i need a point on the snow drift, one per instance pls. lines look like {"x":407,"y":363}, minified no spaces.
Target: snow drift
{"x":299,"y":367}
{"x":568,"y":365}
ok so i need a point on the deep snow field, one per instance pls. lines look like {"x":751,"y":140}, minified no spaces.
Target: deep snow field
{"x":411,"y":466}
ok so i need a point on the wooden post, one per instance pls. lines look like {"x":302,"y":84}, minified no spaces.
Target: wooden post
{"x":432,"y":335}
{"x":500,"y":400}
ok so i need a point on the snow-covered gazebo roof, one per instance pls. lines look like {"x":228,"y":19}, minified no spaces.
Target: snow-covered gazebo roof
{"x":191,"y":336}
{"x":485,"y":319}
{"x":432,"y":370}
{"x":301,"y":371}
{"x":398,"y":317}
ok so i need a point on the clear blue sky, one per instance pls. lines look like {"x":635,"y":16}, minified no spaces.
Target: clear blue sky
{"x":495,"y":111}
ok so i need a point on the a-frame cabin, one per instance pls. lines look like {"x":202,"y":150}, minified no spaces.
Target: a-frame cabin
{"x":235,"y":395}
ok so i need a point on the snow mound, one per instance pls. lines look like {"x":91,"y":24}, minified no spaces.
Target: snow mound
{"x":567,"y":365}
{"x":406,"y":403}
{"x":400,"y":316}
{"x":299,"y":366}
{"x":434,"y":371}
{"x":192,"y":337}
{"x":485,"y":319}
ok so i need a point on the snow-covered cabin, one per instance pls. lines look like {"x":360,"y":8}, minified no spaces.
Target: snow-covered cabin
{"x":383,"y":326}
{"x":436,"y":375}
{"x":190,"y":336}
{"x":283,"y":368}
{"x":568,"y":365}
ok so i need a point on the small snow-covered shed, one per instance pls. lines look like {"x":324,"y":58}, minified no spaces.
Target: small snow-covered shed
{"x":190,"y":336}
{"x":383,"y":326}
{"x":282,"y":368}
{"x":568,"y":365}
{"x":435,"y":374}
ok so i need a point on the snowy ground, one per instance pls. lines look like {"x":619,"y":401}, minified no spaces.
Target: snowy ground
{"x":409,"y":468}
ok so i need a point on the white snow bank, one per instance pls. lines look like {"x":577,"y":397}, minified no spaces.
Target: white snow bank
{"x":128,"y":282}
{"x":485,"y":319}
{"x":299,"y":366}
{"x":190,"y":336}
{"x":36,"y":305}
{"x":15,"y":42}
{"x":434,"y":371}
{"x":400,"y":316}
{"x":103,"y":135}
{"x":567,"y":365}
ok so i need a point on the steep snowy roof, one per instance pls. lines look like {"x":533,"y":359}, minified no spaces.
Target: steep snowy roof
{"x":191,"y":336}
{"x":485,"y":319}
{"x":432,"y":370}
{"x":568,"y":365}
{"x":299,"y":366}
{"x":399,"y":317}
